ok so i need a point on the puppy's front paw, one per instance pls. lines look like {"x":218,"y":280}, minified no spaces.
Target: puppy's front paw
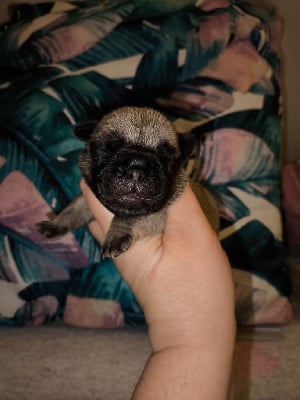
{"x":51,"y":229}
{"x":114,"y":246}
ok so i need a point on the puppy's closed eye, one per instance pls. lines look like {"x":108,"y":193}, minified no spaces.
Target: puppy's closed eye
{"x":112,"y":143}
{"x":169,"y":156}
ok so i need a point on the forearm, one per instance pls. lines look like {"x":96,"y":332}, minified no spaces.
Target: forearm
{"x":185,"y":373}
{"x":192,"y":338}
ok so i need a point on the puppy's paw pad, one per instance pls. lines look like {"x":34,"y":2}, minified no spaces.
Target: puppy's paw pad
{"x":50,"y":229}
{"x":113,"y":247}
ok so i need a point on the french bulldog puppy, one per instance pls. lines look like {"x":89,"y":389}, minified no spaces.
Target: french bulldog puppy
{"x":132,"y":164}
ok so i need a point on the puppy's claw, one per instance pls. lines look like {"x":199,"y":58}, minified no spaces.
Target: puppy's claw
{"x":50,"y":229}
{"x":115,"y":246}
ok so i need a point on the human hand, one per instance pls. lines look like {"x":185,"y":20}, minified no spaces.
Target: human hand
{"x":183,"y":281}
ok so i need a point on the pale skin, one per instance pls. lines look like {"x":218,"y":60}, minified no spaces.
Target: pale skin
{"x":183,"y":281}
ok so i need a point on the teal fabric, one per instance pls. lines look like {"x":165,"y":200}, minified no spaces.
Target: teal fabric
{"x":213,"y":69}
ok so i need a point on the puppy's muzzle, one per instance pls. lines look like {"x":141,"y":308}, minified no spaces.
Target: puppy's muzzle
{"x":132,"y":183}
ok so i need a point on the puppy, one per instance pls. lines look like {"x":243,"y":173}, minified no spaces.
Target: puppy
{"x":132,"y":164}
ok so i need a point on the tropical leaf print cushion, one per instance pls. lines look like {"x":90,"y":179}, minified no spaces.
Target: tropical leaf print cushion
{"x":213,"y":68}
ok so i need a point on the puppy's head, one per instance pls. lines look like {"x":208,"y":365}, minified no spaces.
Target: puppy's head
{"x":132,"y":161}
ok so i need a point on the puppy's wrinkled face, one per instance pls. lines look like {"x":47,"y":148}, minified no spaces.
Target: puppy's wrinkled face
{"x":132,"y":161}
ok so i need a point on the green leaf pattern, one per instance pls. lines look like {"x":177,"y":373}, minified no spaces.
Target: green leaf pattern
{"x":63,"y":66}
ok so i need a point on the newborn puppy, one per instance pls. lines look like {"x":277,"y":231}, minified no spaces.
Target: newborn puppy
{"x":132,"y":164}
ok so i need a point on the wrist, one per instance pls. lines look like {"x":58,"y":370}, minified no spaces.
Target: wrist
{"x":173,"y":331}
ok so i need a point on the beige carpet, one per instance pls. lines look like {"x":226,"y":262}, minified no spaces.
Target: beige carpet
{"x":57,"y":362}
{"x":269,"y":369}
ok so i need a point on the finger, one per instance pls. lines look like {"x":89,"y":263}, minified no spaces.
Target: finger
{"x":97,"y":231}
{"x":186,"y":220}
{"x":102,"y":215}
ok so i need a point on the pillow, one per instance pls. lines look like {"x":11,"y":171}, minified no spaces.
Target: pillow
{"x":213,"y":69}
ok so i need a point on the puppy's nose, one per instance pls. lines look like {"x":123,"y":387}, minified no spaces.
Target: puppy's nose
{"x":137,"y":169}
{"x":134,"y":170}
{"x":136,"y":174}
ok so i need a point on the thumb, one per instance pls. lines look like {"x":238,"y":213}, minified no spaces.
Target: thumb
{"x":101,"y":214}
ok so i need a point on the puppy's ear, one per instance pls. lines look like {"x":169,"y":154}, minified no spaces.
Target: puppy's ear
{"x":84,"y":131}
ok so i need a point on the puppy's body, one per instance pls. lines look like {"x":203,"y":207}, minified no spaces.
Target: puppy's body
{"x":132,"y":164}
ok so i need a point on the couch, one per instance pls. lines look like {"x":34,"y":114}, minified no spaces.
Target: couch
{"x":213,"y":67}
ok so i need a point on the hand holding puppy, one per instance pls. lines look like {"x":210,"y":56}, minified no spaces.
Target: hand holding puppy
{"x":183,"y":281}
